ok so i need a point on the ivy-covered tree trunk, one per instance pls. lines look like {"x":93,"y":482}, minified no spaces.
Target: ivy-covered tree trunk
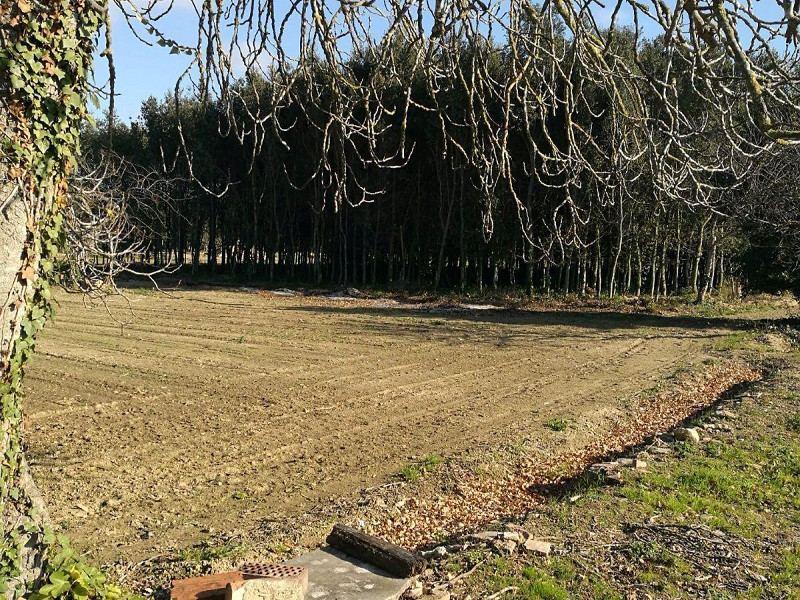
{"x":45,"y":55}
{"x":24,"y":514}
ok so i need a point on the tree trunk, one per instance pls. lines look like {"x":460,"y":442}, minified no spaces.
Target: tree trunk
{"x":529,"y":271}
{"x":462,"y":249}
{"x":653,"y":258}
{"x":699,"y":253}
{"x":39,"y":174}
{"x":678,"y":240}
{"x":443,"y":244}
{"x":639,"y":268}
{"x":703,"y":287}
{"x":612,"y":280}
{"x":19,"y":528}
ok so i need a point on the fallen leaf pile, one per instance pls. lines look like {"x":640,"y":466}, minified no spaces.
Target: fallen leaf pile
{"x":477,"y":500}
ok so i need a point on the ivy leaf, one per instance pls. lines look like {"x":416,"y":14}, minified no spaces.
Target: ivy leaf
{"x":28,"y":273}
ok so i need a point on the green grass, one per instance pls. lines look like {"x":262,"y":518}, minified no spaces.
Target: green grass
{"x":741,"y":341}
{"x":729,"y":485}
{"x":745,"y":484}
{"x":793,"y":423}
{"x":207,"y":551}
{"x":415,"y":471}
{"x":531,"y":582}
{"x":557,"y":424}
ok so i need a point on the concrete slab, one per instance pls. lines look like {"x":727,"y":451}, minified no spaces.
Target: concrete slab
{"x":332,"y":575}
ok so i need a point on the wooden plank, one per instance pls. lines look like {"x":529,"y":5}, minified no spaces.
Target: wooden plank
{"x":375,"y":551}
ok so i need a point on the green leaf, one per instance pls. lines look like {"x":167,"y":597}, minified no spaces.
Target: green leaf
{"x":59,"y":577}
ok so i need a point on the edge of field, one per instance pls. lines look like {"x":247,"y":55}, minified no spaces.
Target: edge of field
{"x":427,"y":496}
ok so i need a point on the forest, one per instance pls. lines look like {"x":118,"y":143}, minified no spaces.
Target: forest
{"x":434,"y":214}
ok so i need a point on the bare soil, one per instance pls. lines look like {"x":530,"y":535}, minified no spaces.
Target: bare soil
{"x":214,"y":410}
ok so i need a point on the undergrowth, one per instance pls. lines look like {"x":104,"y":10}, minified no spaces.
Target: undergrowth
{"x":744,"y":485}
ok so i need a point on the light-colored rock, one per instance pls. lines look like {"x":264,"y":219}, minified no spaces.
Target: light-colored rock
{"x":538,"y":546}
{"x":485,"y":536}
{"x":504,"y":546}
{"x":639,"y":464}
{"x":687,"y":434}
{"x":606,"y":466}
{"x":438,"y":552}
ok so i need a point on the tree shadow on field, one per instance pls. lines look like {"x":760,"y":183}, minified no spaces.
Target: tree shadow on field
{"x":454,"y":322}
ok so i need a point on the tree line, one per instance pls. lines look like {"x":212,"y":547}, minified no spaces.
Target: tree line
{"x":264,"y":210}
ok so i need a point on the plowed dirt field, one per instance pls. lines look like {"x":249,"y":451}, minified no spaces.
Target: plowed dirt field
{"x":213,"y":410}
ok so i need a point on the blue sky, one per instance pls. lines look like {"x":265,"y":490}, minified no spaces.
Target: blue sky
{"x":144,"y":71}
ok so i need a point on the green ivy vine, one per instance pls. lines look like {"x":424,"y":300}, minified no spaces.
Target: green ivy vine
{"x":45,"y":61}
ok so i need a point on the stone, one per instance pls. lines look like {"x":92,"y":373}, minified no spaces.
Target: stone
{"x":606,"y":466}
{"x":485,"y":536}
{"x":333,"y":575}
{"x":606,"y":472}
{"x":687,"y":434}
{"x":639,"y":464}
{"x":438,"y":552}
{"x":504,"y":546}
{"x":538,"y":547}
{"x":625,"y":462}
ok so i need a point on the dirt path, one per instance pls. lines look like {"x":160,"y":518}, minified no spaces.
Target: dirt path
{"x":218,"y":409}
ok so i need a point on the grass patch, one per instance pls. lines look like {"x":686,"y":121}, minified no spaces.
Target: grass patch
{"x":741,"y":341}
{"x":793,"y":423}
{"x":744,"y":485}
{"x":207,"y":551}
{"x":530,"y":582}
{"x":415,"y":471}
{"x":557,"y":424}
